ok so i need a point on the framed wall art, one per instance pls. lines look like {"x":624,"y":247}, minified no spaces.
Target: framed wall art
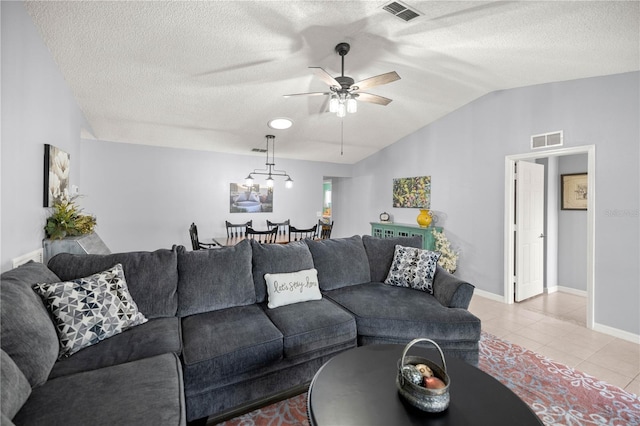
{"x":574,"y":191}
{"x":412,"y":192}
{"x":250,"y":199}
{"x":56,"y":175}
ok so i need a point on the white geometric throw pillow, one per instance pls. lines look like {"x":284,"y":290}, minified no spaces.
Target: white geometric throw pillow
{"x":414,"y":268}
{"x":88,"y":310}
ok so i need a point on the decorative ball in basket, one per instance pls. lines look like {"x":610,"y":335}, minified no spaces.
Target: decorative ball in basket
{"x":421,"y":382}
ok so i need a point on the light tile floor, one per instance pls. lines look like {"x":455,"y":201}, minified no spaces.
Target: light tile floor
{"x":554,"y":325}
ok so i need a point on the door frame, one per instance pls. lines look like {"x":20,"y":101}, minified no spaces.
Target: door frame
{"x":509,"y":199}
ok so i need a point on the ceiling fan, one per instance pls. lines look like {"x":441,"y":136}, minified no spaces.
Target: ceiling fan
{"x":344,"y":91}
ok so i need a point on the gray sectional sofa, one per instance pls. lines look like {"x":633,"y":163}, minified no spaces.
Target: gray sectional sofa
{"x":211,"y":345}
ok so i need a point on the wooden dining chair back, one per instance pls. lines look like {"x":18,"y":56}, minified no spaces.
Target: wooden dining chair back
{"x":263,"y":237}
{"x":296,"y":234}
{"x":324,"y":230}
{"x":282,"y":227}
{"x":237,"y":230}
{"x":195,"y":242}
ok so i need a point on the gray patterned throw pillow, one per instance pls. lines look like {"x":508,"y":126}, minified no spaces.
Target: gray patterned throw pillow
{"x":88,"y":310}
{"x":414,"y":268}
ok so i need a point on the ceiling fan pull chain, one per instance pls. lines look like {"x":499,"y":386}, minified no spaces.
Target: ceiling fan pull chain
{"x":342,"y":135}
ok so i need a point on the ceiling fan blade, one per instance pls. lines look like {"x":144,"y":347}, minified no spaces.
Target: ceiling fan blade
{"x":308,"y":94}
{"x":325,"y":76}
{"x":378,"y":80}
{"x":374,"y":99}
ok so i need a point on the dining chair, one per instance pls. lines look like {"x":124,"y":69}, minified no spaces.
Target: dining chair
{"x":238,"y":229}
{"x":263,"y":237}
{"x":324,"y":230}
{"x":283,"y":227}
{"x":195,"y":242}
{"x":296,"y":234}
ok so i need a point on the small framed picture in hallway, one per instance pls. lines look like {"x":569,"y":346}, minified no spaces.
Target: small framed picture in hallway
{"x":574,"y":191}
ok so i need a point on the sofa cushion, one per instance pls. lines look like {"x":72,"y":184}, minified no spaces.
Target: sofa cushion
{"x":402,"y":313}
{"x":88,"y":310}
{"x":227,"y":342}
{"x":414,"y":268}
{"x":311,"y":326}
{"x":276,"y":259}
{"x":380,"y":252}
{"x":144,"y":392}
{"x":215,"y":279}
{"x":155,"y":337}
{"x":152,"y":277}
{"x":28,"y":334}
{"x":14,"y":387}
{"x":340,"y":262}
{"x":292,"y":287}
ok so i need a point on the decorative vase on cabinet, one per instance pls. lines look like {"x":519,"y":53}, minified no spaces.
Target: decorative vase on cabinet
{"x":424,"y":218}
{"x":390,"y":230}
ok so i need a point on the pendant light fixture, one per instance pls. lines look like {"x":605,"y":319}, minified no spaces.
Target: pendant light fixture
{"x":269,"y":170}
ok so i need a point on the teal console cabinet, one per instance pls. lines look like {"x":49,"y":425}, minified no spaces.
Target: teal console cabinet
{"x":390,"y":230}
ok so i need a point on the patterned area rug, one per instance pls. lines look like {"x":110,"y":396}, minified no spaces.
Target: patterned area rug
{"x":559,"y":395}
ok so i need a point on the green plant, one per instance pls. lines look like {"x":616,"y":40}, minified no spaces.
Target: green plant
{"x":66,"y":220}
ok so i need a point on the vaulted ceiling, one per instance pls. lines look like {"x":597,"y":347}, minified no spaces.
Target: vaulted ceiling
{"x":208,"y":75}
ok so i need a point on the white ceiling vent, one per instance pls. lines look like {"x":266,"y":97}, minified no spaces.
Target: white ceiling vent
{"x":258,"y":150}
{"x":401,"y":11}
{"x":546,"y":140}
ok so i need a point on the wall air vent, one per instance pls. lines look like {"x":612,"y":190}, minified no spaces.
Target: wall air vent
{"x":546,"y":140}
{"x":401,"y":11}
{"x":258,"y":150}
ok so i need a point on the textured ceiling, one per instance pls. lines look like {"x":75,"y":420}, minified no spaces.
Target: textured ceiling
{"x":208,"y":75}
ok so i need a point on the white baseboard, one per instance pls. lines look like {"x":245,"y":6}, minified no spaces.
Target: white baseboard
{"x":488,"y":295}
{"x":568,"y":290}
{"x":616,"y":332}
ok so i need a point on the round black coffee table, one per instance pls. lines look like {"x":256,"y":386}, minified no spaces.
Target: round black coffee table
{"x":357,"y":388}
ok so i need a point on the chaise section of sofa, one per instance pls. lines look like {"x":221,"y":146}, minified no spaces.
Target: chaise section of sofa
{"x":146,"y":391}
{"x":144,"y":383}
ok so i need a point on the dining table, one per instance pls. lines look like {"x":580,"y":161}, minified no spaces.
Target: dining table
{"x":232,"y":241}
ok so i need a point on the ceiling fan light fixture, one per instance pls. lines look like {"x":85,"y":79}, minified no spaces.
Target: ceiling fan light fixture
{"x":352,"y":105}
{"x":333,"y":104}
{"x":342,"y":110}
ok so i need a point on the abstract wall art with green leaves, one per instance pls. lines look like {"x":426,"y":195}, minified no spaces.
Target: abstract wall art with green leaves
{"x":412,"y":192}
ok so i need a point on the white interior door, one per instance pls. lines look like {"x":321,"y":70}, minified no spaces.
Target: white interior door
{"x":529,"y":267}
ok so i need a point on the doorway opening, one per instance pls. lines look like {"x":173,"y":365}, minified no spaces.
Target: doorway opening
{"x":326,"y":201}
{"x":509,"y":211}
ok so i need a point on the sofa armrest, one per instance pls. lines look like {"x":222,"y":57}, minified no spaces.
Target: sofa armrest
{"x":451,"y":291}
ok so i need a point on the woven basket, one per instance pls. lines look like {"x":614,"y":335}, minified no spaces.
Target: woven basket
{"x":429,"y":400}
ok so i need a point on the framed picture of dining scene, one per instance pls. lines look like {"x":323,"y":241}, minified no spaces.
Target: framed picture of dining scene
{"x":250,"y":199}
{"x":574,"y":191}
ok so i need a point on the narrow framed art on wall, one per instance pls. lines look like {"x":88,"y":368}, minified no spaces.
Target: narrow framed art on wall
{"x":574,"y":191}
{"x":56,"y":175}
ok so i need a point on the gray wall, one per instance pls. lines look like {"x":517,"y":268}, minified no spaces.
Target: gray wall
{"x":572,"y":231}
{"x":464,"y":152}
{"x":146,"y":197}
{"x":37,"y":109}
